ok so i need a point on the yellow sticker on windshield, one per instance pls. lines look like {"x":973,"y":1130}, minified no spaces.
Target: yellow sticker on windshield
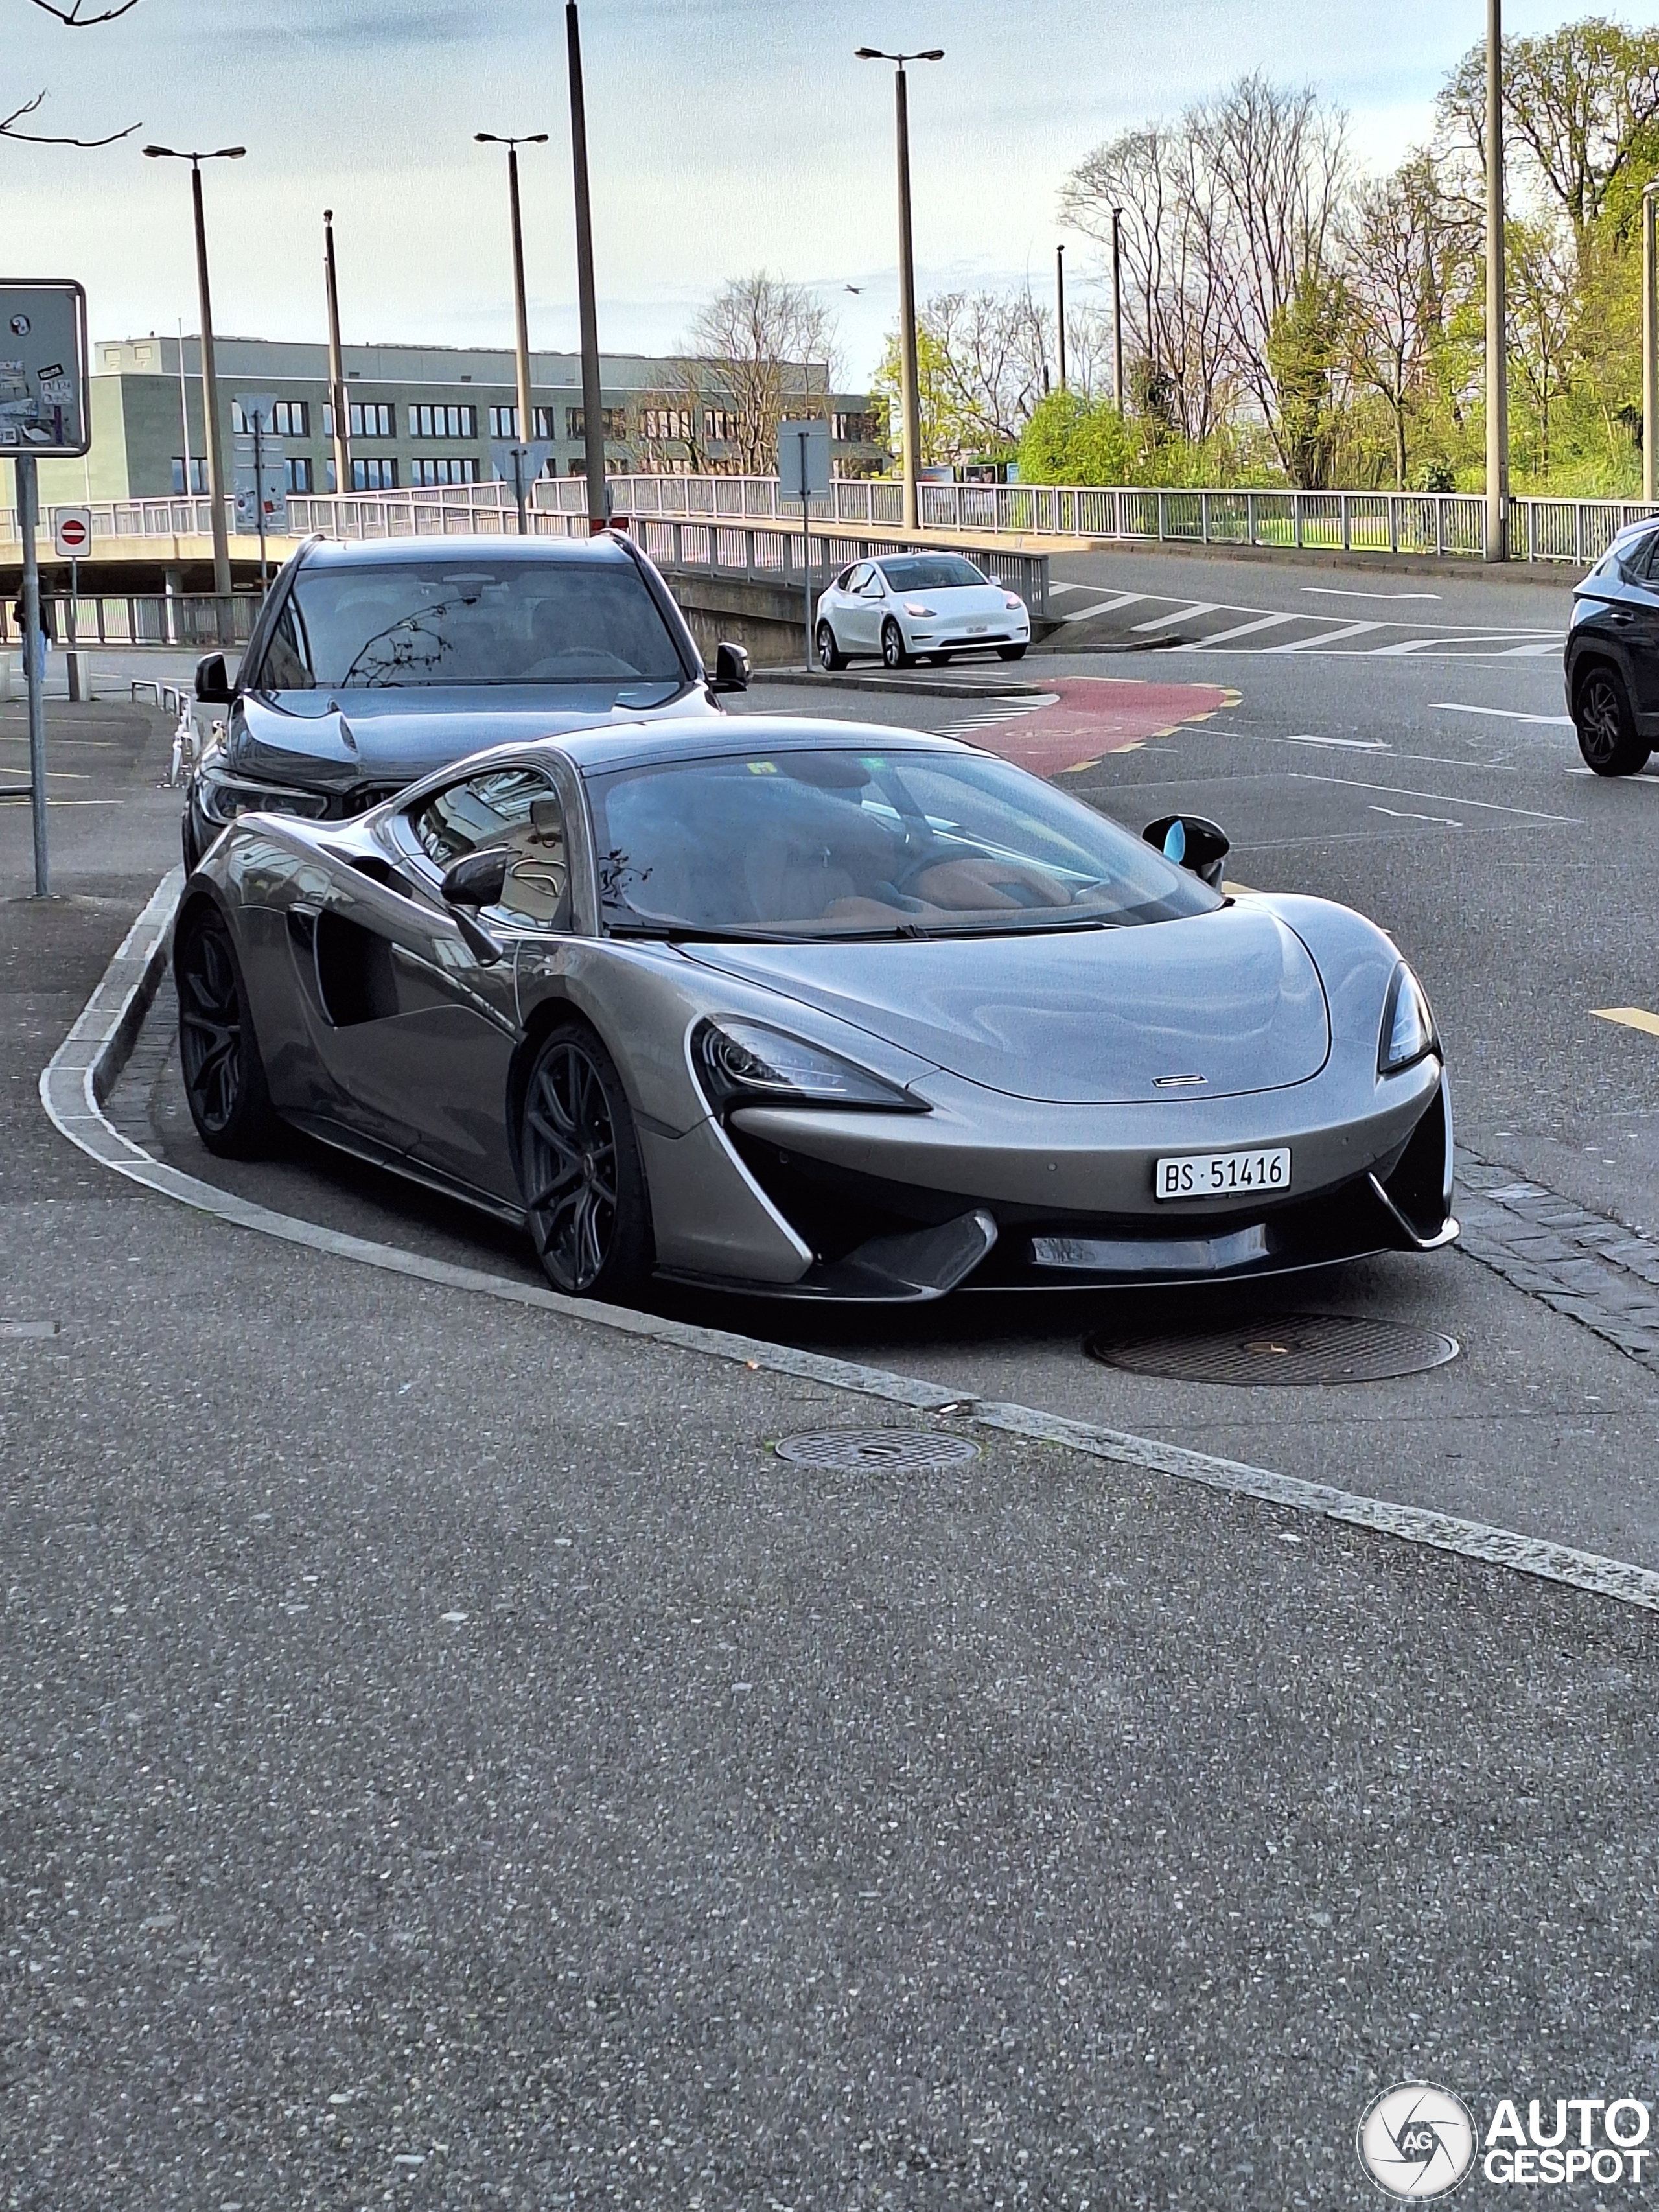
{"x":762,"y":768}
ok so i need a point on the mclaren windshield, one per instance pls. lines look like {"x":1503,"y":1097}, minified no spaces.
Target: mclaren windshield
{"x":790,"y":844}
{"x":465,"y":620}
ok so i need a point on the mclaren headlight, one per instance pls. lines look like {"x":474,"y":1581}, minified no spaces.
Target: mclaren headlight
{"x":741,"y":1063}
{"x":223,"y":797}
{"x":1409,"y":1032}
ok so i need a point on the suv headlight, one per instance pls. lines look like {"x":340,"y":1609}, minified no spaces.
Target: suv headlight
{"x":741,"y":1063}
{"x":223,"y":797}
{"x":1408,"y":1030}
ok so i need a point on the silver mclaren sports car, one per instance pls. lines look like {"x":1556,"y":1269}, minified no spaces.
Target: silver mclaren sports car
{"x":817,"y":1010}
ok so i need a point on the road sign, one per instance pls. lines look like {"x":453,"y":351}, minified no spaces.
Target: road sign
{"x":71,"y":532}
{"x":258,"y":407}
{"x":532,"y":458}
{"x":43,"y":370}
{"x":803,"y":460}
{"x":266,"y":490}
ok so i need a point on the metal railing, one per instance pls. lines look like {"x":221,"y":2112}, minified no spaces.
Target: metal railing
{"x":190,"y":622}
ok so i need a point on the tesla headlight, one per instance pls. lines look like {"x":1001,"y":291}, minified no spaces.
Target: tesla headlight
{"x":1408,"y":1030}
{"x":742,"y":1063}
{"x":224,"y":797}
{"x":916,"y":607}
{"x":1012,"y":599}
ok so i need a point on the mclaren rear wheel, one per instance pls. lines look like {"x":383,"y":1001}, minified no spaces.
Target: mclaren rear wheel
{"x":584,"y":1182}
{"x":1606,"y":727}
{"x":218,"y":1051}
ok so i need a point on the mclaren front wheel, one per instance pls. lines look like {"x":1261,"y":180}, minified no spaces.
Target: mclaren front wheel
{"x":218,"y":1052}
{"x":584,"y":1182}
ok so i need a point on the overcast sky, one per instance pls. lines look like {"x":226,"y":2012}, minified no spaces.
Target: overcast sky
{"x":725,"y":135}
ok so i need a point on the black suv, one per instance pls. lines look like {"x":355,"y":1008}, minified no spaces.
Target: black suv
{"x":372,"y":663}
{"x":1613,"y":654}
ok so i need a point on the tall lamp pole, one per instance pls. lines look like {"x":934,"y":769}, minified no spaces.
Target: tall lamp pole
{"x":909,"y":381}
{"x":216,"y":446}
{"x":1059,"y":308}
{"x":337,"y":391}
{"x":1650,"y":343}
{"x":593,"y":400}
{"x":1497,"y":365}
{"x":1118,"y":307}
{"x":521,"y":313}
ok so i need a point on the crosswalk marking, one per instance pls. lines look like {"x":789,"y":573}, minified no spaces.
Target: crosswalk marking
{"x":1325,"y":637}
{"x":1245,"y":630}
{"x":1631,"y":1018}
{"x":1102,"y":606}
{"x":1181,"y":614}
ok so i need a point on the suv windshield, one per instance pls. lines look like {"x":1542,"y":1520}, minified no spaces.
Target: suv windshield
{"x":881,"y":844}
{"x":462,"y":620}
{"x":937,"y":572}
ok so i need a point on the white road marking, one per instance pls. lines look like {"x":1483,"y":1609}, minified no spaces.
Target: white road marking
{"x":1348,"y":745}
{"x":1245,"y":629}
{"x":92,"y":1056}
{"x":1441,"y":798}
{"x":1546,"y":651}
{"x":1181,"y":614}
{"x":1444,"y":820}
{"x":1503,"y":713}
{"x":1103,"y":606}
{"x":1325,"y":637}
{"x":1495,"y":638}
{"x":1335,"y":591}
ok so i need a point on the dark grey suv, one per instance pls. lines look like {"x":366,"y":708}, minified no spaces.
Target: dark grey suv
{"x":1613,"y":654}
{"x":372,"y":664}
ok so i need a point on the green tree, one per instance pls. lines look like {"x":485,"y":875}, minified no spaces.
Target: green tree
{"x":1306,"y":348}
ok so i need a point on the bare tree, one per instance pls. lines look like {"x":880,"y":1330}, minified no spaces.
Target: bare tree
{"x":1540,"y":295}
{"x":1408,"y":250}
{"x":766,"y":345}
{"x":993,"y":349}
{"x":74,"y":16}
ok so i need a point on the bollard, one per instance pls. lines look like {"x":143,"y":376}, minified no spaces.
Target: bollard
{"x":80,"y":675}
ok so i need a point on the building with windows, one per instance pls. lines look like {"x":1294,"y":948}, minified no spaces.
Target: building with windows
{"x":417,"y":416}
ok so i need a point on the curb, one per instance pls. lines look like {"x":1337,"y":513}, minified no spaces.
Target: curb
{"x":934,"y":688}
{"x":84,"y":1069}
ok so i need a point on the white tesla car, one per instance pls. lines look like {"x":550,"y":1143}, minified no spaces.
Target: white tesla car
{"x":911,"y":605}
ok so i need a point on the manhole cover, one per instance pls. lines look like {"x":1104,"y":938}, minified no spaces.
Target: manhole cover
{"x":876,"y":1451}
{"x":1288,"y":1349}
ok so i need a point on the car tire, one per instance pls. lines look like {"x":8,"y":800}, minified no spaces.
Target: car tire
{"x":1606,"y":727}
{"x":1011,"y":653}
{"x":218,"y":1050}
{"x":585,"y":1197}
{"x":830,"y":656}
{"x":893,"y":654}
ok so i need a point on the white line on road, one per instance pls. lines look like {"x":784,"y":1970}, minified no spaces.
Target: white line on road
{"x":1441,"y":798}
{"x":1444,"y":820}
{"x":1546,"y":651}
{"x":1182,"y":614}
{"x":1325,"y":637}
{"x":1335,"y":591}
{"x":1505,"y":713}
{"x":1103,"y":606}
{"x":87,"y":1063}
{"x":1245,"y":629}
{"x":1348,"y":745}
{"x":1495,"y":638}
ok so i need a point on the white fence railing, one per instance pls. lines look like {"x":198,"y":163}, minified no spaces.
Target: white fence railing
{"x":1572,"y":532}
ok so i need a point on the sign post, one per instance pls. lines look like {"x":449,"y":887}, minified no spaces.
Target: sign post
{"x":258,"y":477}
{"x":804,"y":474}
{"x":519,"y":463}
{"x":71,"y":537}
{"x":43,"y":416}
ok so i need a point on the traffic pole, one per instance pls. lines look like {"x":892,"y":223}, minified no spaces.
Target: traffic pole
{"x":806,"y":548}
{"x":1497,"y":362}
{"x":29,"y":519}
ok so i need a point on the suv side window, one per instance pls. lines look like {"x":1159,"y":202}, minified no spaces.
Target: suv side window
{"x":515,"y":807}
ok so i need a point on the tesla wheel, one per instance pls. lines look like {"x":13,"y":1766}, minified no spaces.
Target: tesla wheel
{"x":584,"y":1192}
{"x":1605,"y":726}
{"x":1011,"y":653}
{"x":892,"y":644}
{"x":218,"y":1051}
{"x":830,"y":656}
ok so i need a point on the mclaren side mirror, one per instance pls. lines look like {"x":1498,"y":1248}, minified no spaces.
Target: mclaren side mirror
{"x":731,"y":668}
{"x":477,"y":879}
{"x":213,"y":680}
{"x":1191,"y":842}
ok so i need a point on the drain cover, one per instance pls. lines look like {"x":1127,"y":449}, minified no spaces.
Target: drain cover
{"x":1287,"y":1348}
{"x":876,"y":1451}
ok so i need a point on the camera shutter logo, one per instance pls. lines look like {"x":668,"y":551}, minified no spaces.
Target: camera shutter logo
{"x":1416,"y":2141}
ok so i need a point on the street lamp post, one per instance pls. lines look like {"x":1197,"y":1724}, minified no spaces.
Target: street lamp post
{"x":1650,"y":343}
{"x":216,"y":448}
{"x":521,"y":313}
{"x":909,"y":391}
{"x":337,"y":391}
{"x":1059,"y":308}
{"x":1118,"y":307}
{"x":586,"y":298}
{"x":1497,"y":363}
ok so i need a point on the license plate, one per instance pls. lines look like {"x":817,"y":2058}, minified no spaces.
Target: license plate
{"x":977,"y":629}
{"x":1221,"y":1175}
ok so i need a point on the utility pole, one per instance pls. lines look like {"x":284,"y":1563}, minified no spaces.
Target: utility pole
{"x":1649,"y":344}
{"x":1498,"y":365}
{"x":28,"y":522}
{"x":909,"y":376}
{"x":593,"y":403}
{"x":337,"y":391}
{"x":520,"y":318}
{"x":1118,"y":307}
{"x":1059,"y":308}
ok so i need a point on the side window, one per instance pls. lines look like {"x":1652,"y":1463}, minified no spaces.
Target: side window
{"x":850,"y":579}
{"x":286,"y":663}
{"x":515,"y":807}
{"x":536,"y":894}
{"x":873,"y":585}
{"x":1644,"y":561}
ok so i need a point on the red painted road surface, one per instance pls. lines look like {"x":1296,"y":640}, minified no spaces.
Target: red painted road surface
{"x":1098,"y":715}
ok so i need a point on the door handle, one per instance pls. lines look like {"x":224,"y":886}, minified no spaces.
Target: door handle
{"x":1623,"y":622}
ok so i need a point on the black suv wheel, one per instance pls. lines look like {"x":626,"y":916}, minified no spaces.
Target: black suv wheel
{"x":1606,"y":727}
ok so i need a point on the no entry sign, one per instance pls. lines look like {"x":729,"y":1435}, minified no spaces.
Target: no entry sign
{"x":72,"y":532}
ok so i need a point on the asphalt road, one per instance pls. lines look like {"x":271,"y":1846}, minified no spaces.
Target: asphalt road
{"x":448,"y":1758}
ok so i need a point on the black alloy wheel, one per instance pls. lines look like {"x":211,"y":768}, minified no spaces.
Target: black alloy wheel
{"x":1011,"y":653}
{"x":830,"y":656}
{"x":218,"y":1051}
{"x":584,"y":1192}
{"x":892,"y":644}
{"x":1606,"y":726}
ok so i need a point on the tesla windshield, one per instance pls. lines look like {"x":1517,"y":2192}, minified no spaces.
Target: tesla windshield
{"x":461,"y":620}
{"x":937,"y":572}
{"x":895,"y":843}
